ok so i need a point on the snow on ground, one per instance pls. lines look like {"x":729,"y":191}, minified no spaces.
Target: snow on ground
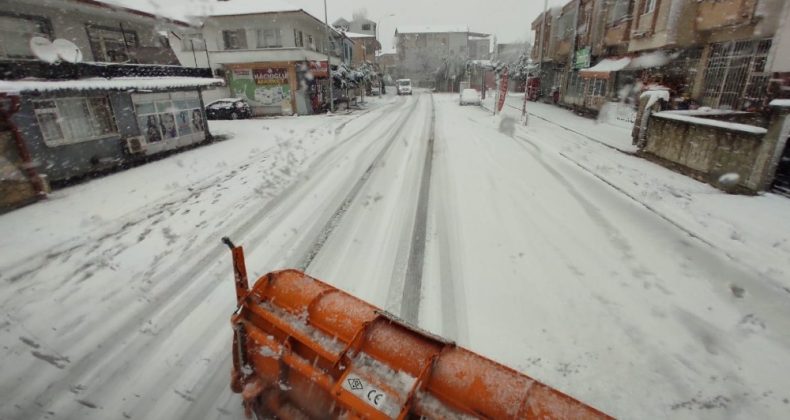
{"x":632,"y":288}
{"x":726,"y":222}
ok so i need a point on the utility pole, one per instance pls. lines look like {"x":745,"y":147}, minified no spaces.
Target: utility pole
{"x":328,"y":60}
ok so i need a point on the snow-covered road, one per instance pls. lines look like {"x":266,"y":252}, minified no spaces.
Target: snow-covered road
{"x":519,"y":244}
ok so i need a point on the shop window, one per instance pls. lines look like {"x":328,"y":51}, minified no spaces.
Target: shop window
{"x":73,"y":120}
{"x":16,"y":31}
{"x":164,"y":116}
{"x":111,"y":44}
{"x":235,"y":39}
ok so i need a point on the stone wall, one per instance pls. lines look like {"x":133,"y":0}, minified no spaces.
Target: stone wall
{"x":707,"y":151}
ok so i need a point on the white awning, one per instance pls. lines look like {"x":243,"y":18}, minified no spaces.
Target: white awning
{"x":602,"y":69}
{"x":116,"y":83}
{"x":648,"y":60}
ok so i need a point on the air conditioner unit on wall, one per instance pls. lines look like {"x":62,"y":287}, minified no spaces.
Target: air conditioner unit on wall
{"x":135,"y":145}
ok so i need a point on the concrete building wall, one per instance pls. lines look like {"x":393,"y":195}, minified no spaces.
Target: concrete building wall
{"x":313,"y":36}
{"x":779,"y":59}
{"x":73,"y":159}
{"x":672,"y":24}
{"x":421,"y":54}
{"x":69,"y":20}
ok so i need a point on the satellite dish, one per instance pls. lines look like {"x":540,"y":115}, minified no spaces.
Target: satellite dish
{"x":67,"y":50}
{"x":43,"y":49}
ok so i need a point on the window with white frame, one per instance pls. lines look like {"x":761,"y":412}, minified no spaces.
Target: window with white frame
{"x":168,"y":115}
{"x":74,"y":120}
{"x":649,"y":6}
{"x":269,"y":38}
{"x":311,"y":42}
{"x":16,"y":31}
{"x":234,"y":39}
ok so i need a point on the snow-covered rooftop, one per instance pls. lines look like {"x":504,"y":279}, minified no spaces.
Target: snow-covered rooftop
{"x":249,"y":7}
{"x":608,"y":65}
{"x":99,"y":83}
{"x":432,"y":29}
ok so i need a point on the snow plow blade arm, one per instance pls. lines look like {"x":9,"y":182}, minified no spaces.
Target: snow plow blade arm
{"x":305,"y":349}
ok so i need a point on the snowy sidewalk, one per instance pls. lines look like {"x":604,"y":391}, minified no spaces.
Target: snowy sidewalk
{"x":753,"y":231}
{"x":615,"y":136}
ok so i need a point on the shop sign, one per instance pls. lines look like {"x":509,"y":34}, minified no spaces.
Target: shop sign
{"x":582,"y":59}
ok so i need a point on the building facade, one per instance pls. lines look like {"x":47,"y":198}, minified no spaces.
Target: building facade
{"x":122,"y":102}
{"x":102,"y":32}
{"x":436,"y":56}
{"x":275,"y":59}
{"x":709,"y":53}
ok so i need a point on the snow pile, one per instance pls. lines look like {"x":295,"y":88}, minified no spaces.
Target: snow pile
{"x":780,"y":102}
{"x":729,"y":179}
{"x":745,"y":128}
{"x":100,"y":83}
{"x":654,"y":95}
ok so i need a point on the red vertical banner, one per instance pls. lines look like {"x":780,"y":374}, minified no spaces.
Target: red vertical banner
{"x":502,"y":90}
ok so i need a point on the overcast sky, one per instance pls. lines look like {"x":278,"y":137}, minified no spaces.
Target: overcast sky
{"x":509,"y":20}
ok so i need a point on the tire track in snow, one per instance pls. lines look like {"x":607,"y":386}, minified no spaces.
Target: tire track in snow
{"x":454,"y":324}
{"x":189,"y":298}
{"x":158,"y":207}
{"x":412,"y":287}
{"x":320,"y":239}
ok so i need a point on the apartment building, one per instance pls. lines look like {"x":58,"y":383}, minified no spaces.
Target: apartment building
{"x":713,"y":52}
{"x":436,"y":56}
{"x":123,"y":100}
{"x":274,"y":57}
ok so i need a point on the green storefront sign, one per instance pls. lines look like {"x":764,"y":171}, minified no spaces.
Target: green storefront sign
{"x":582,"y":59}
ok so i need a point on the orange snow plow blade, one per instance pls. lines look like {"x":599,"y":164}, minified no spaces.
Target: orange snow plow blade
{"x":305,"y":349}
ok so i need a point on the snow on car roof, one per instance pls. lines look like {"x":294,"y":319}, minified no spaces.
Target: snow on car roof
{"x":435,"y":29}
{"x":100,"y":83}
{"x":226,"y":100}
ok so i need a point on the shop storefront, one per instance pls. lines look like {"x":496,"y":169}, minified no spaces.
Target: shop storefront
{"x":268,"y":87}
{"x":280,"y":88}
